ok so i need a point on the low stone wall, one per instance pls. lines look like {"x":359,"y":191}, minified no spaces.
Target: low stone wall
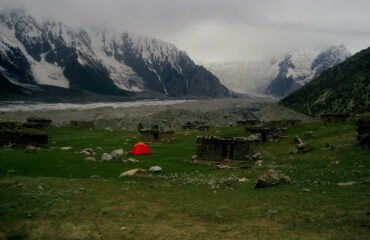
{"x":268,"y":134}
{"x":43,"y":121}
{"x":82,"y":124}
{"x":218,"y":149}
{"x":157,"y":136}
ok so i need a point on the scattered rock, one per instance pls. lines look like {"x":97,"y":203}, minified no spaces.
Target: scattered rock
{"x":99,"y":148}
{"x":88,"y":151}
{"x":105,"y":157}
{"x":329,"y":146}
{"x":301,"y":147}
{"x":271,"y":177}
{"x":40,"y":188}
{"x":347,"y":183}
{"x":155,"y":169}
{"x":334,"y":163}
{"x":90,"y":159}
{"x":131,"y":172}
{"x":257,"y":156}
{"x":221,"y":167}
{"x":31,"y":148}
{"x":132,"y":160}
{"x":193,"y":158}
{"x":29,"y":215}
{"x":20,"y":185}
{"x":81,"y":189}
{"x":306,"y":190}
{"x":118,"y":155}
{"x":258,"y":164}
{"x":108,"y":129}
{"x":66,"y":148}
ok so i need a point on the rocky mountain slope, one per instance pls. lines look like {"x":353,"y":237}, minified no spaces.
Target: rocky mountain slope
{"x":343,"y":88}
{"x":298,"y":68}
{"x":36,"y":54}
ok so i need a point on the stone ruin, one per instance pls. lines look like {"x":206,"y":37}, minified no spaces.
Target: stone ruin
{"x":219,"y":149}
{"x":268,"y":134}
{"x":40,"y":121}
{"x":363,"y":130}
{"x":157,"y":136}
{"x":82,"y":124}
{"x":328,"y":118}
{"x":204,"y":128}
{"x":19,"y":134}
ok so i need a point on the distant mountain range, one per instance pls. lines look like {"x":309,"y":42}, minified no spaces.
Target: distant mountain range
{"x":49,"y":58}
{"x":343,"y":88}
{"x":280,"y":76}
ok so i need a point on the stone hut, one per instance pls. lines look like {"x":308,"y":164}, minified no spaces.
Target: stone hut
{"x":82,"y":124}
{"x":188,"y":126}
{"x":328,"y":118}
{"x":157,"y":136}
{"x":42,"y":121}
{"x":23,"y":137}
{"x":218,"y":149}
{"x":268,"y":134}
{"x":363,"y":130}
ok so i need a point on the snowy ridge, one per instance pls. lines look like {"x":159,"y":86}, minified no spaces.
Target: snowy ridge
{"x":106,"y":62}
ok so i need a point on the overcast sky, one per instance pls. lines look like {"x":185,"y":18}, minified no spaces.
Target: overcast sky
{"x":222,"y":30}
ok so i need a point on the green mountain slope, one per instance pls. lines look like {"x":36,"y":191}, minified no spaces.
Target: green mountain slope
{"x":343,"y":88}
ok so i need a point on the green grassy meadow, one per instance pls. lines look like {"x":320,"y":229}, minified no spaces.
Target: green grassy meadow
{"x":50,"y":194}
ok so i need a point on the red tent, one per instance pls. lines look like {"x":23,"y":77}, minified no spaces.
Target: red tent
{"x":140,"y":148}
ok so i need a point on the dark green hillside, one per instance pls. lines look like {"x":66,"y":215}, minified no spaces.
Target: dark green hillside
{"x":343,"y":88}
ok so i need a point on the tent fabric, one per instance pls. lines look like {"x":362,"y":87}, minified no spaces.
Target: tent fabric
{"x":140,"y":148}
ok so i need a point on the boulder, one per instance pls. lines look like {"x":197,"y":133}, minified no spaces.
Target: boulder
{"x":132,"y":160}
{"x":66,"y":148}
{"x":258,"y":164}
{"x":155,"y":169}
{"x":90,"y":159}
{"x":131,"y":172}
{"x":106,"y":157}
{"x":270,"y":178}
{"x":31,"y":148}
{"x":88,"y":151}
{"x":118,"y":155}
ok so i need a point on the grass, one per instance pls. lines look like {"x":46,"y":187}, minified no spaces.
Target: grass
{"x":51,"y":194}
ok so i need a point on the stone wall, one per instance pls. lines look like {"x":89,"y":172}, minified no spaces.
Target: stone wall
{"x":218,"y":149}
{"x":23,"y":137}
{"x":157,"y":136}
{"x":82,"y":124}
{"x":43,"y":121}
{"x":268,"y":134}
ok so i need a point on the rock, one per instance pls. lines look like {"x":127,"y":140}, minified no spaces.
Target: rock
{"x":90,"y":159}
{"x":285,"y":179}
{"x":347,"y":183}
{"x":271,"y":177}
{"x":257,"y":156}
{"x":31,"y":148}
{"x":66,"y":148}
{"x":118,"y":155}
{"x":82,"y":189}
{"x":105,"y":157}
{"x":303,"y":147}
{"x":194,"y":158}
{"x":88,"y":151}
{"x":329,"y":146}
{"x":306,"y":190}
{"x":133,"y":160}
{"x":29,"y":215}
{"x":40,"y":188}
{"x":99,"y":148}
{"x":155,"y":169}
{"x":272,"y":211}
{"x":95,"y":177}
{"x":108,"y":129}
{"x":243,"y":179}
{"x":131,"y":172}
{"x":258,"y":164}
{"x":20,"y":185}
{"x":294,"y":150}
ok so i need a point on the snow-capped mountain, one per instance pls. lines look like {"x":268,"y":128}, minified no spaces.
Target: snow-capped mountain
{"x":35,"y":55}
{"x":278,"y":76}
{"x":298,"y":68}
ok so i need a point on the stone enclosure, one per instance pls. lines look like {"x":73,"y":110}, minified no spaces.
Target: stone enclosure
{"x":219,"y":149}
{"x":18,"y":134}
{"x":157,"y":136}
